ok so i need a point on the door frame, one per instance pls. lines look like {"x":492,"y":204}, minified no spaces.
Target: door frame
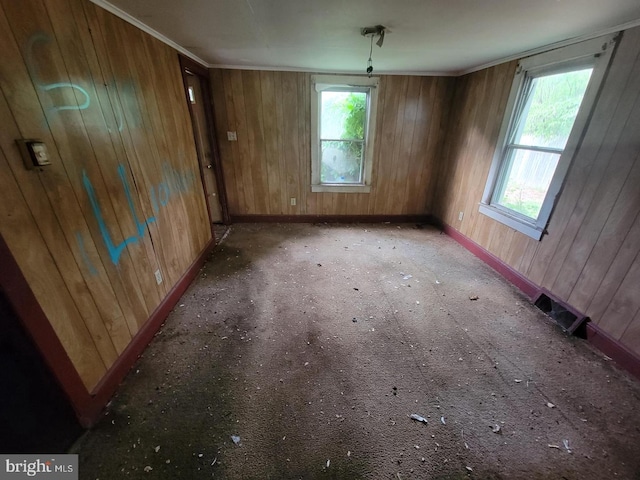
{"x":191,"y":67}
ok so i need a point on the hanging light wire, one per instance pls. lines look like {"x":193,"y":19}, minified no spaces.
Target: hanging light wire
{"x":370,"y":62}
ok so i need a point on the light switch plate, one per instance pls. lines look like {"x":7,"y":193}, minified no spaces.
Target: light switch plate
{"x":34,"y":153}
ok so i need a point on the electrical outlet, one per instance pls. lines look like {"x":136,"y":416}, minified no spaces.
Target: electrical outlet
{"x":158,"y":276}
{"x":232,"y":136}
{"x":293,"y":201}
{"x":460,"y":215}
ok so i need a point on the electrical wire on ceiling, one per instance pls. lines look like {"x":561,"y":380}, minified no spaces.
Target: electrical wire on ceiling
{"x":375,"y":31}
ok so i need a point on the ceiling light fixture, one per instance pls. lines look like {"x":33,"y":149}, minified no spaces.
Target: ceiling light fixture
{"x":375,"y":31}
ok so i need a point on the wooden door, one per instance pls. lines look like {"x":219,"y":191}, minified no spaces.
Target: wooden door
{"x":195,"y":94}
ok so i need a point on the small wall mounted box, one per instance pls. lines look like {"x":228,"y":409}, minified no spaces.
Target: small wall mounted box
{"x":34,"y":153}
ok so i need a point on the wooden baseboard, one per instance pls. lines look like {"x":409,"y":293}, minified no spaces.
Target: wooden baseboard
{"x":39,"y":329}
{"x":88,"y":406}
{"x":624,"y":357}
{"x":91,"y":412}
{"x":613,"y":349}
{"x":523,"y":283}
{"x":333,"y":219}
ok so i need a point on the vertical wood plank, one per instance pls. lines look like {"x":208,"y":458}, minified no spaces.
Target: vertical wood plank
{"x":222,"y":126}
{"x":304,"y":152}
{"x":41,"y":271}
{"x":602,"y":128}
{"x":88,"y":149}
{"x":615,"y":273}
{"x":107,"y":100}
{"x":244,"y":160}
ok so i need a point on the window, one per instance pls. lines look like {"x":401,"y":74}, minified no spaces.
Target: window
{"x":343,"y":111}
{"x":549,"y":105}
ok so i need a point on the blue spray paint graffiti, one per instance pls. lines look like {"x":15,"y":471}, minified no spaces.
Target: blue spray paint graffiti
{"x":173,"y":183}
{"x":118,"y":113}
{"x":83,"y":106}
{"x":85,"y":255}
{"x":140,"y":227}
{"x":114,"y":250}
{"x":47,"y":87}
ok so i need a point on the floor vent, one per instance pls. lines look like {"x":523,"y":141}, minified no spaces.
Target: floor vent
{"x":569,"y":319}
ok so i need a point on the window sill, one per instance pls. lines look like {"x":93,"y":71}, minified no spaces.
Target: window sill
{"x":529,"y":229}
{"x":341,"y":188}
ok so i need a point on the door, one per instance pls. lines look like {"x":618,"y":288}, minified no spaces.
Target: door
{"x":196,"y":96}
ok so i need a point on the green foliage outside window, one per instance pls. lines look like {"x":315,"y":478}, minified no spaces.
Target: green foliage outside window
{"x":555,"y":104}
{"x":350,"y":111}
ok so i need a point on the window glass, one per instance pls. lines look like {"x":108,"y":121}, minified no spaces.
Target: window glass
{"x":553,"y":104}
{"x":549,"y":106}
{"x":342,"y":136}
{"x":550,"y":103}
{"x":343,"y":119}
{"x":527,"y":180}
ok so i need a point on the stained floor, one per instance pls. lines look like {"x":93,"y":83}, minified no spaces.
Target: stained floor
{"x":312,"y":345}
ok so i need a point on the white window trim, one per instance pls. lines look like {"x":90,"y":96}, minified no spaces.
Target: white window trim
{"x":324,"y":82}
{"x":600,"y":49}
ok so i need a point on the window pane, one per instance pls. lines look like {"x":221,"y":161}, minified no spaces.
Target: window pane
{"x":343,"y":115}
{"x":551,"y":110}
{"x":527,"y":177}
{"x":341,"y":161}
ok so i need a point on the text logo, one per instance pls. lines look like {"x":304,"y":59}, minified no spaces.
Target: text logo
{"x":50,"y":467}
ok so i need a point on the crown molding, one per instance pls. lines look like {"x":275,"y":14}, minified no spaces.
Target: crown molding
{"x":146,"y":28}
{"x":552,"y":46}
{"x":517,"y":56}
{"x":336,"y":72}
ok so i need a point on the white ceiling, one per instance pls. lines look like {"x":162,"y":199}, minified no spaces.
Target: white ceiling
{"x":424,"y":36}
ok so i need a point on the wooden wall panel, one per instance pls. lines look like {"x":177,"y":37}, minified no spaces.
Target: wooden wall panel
{"x":271,"y":161}
{"x":590,"y":257}
{"x":123,"y":196}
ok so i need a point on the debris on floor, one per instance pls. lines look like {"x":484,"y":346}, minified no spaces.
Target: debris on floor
{"x":566,"y":445}
{"x":207,"y":382}
{"x":418,"y":418}
{"x":474,"y":297}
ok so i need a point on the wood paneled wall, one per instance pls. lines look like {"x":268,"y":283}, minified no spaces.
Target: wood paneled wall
{"x":270,"y":163}
{"x":591,"y":255}
{"x":123,"y":196}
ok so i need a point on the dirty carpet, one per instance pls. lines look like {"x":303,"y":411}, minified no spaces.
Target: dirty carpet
{"x":301,"y":351}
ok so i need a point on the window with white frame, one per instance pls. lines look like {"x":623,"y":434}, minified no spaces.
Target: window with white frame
{"x":551,"y":99}
{"x":343,"y":111}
